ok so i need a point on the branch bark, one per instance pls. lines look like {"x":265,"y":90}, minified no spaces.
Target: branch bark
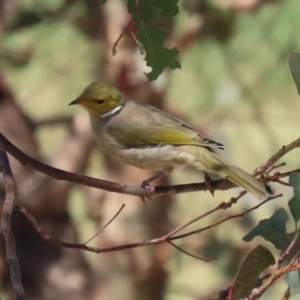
{"x":6,"y":215}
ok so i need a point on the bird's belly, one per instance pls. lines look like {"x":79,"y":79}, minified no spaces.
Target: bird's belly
{"x":152,"y":158}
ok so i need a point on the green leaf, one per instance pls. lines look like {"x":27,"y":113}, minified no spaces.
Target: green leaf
{"x":148,"y":12}
{"x":168,"y":8}
{"x":157,"y":56}
{"x":272,"y":230}
{"x":294,"y":203}
{"x":256,"y":262}
{"x":294,"y":63}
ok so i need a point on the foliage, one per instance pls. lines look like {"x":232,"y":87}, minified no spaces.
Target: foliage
{"x":151,"y":38}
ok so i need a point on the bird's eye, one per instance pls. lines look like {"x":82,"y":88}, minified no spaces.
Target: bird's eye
{"x":100,"y":101}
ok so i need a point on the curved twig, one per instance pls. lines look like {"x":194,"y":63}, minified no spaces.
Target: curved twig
{"x":192,"y":255}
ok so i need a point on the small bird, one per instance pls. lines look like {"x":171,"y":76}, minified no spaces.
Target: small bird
{"x":145,"y":137}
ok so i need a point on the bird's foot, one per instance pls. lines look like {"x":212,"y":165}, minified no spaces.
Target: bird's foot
{"x":148,"y":191}
{"x":208,"y":183}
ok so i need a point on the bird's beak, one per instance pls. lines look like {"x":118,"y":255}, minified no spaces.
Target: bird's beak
{"x":78,"y":101}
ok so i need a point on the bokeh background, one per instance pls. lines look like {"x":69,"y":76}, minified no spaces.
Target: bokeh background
{"x":234,"y":86}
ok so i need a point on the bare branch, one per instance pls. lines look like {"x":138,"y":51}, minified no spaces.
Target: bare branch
{"x":192,"y":255}
{"x":114,"y":48}
{"x":140,"y":191}
{"x":6,"y":215}
{"x":276,"y":275}
{"x":273,"y":167}
{"x":287,"y":252}
{"x":100,"y":230}
{"x":280,"y":153}
{"x":280,"y":271}
{"x":226,"y":218}
{"x":68,"y":176}
{"x":163,"y":239}
{"x":223,"y":205}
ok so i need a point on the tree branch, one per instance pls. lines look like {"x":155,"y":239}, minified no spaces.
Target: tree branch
{"x":140,"y":191}
{"x":6,"y":215}
{"x":192,"y":255}
{"x":166,"y":238}
{"x":280,"y":153}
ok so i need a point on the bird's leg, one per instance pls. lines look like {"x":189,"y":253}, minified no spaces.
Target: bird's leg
{"x":146,"y":183}
{"x":207,"y":180}
{"x":160,"y":174}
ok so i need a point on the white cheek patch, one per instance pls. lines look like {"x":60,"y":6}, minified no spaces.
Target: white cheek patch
{"x":112,"y":112}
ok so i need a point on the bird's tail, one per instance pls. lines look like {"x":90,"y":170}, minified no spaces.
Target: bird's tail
{"x":212,"y":162}
{"x":246,"y":181}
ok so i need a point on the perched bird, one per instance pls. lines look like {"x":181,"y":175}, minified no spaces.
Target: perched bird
{"x":145,"y":137}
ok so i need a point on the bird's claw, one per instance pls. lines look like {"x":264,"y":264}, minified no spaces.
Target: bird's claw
{"x":211,"y":190}
{"x":209,"y":184}
{"x":148,"y":191}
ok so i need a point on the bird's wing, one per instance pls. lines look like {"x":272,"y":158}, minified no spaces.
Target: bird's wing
{"x":158,"y":135}
{"x":162,"y":129}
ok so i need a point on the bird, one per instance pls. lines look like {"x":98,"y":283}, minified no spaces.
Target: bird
{"x":146,"y":137}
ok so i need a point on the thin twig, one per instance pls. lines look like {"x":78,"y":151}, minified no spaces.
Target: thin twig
{"x":114,"y":48}
{"x":225,"y":219}
{"x":279,"y":270}
{"x":296,"y":256}
{"x":276,"y":275}
{"x":128,"y":26}
{"x":280,"y":153}
{"x":223,"y":205}
{"x":6,"y":215}
{"x":100,"y":230}
{"x":278,"y":175}
{"x":273,"y":167}
{"x":283,"y":183}
{"x":193,"y":221}
{"x":192,"y":255}
{"x":287,"y":251}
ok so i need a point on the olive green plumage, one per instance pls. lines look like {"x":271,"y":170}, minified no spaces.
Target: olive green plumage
{"x":148,"y":138}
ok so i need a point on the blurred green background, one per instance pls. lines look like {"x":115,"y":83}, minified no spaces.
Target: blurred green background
{"x":234,"y":87}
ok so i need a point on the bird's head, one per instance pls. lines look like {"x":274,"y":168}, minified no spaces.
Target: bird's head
{"x":100,"y":100}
